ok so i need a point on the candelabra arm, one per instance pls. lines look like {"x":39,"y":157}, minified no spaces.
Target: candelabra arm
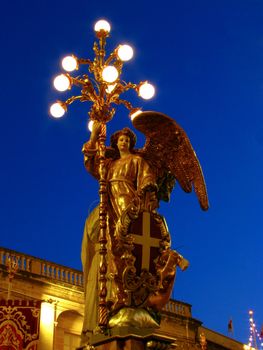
{"x":84,"y":61}
{"x":127,"y":104}
{"x":111,"y":57}
{"x":72,"y":99}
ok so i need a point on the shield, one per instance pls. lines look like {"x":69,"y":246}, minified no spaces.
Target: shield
{"x":143,"y":261}
{"x":148,"y":239}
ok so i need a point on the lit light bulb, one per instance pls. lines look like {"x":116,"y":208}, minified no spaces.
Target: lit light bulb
{"x":62,"y":82}
{"x":110,"y":74}
{"x":69,"y":63}
{"x":57,"y":110}
{"x":110,"y":88}
{"x":125,"y":52}
{"x":134,"y":114}
{"x":250,"y":312}
{"x":102,"y":25}
{"x":146,"y":91}
{"x":90,"y":125}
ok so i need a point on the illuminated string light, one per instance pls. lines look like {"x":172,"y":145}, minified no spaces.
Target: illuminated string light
{"x":255,"y":340}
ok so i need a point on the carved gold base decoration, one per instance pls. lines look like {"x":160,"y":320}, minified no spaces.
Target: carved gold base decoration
{"x":130,"y":338}
{"x":133,"y":317}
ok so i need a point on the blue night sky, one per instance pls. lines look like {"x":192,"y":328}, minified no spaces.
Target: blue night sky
{"x":206,"y":60}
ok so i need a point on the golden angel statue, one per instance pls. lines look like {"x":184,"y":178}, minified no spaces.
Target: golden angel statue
{"x":141,"y":263}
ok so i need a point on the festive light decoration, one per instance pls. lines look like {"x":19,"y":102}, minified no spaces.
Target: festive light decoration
{"x":255,"y":340}
{"x":125,"y":52}
{"x":69,"y":63}
{"x":101,"y":84}
{"x":62,"y":82}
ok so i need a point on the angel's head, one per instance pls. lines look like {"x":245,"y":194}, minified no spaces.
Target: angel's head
{"x":124,"y":132}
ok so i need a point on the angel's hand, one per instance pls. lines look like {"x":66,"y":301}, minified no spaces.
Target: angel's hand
{"x":96,"y":127}
{"x":86,"y":147}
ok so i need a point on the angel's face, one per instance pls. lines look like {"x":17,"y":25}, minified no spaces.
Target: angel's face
{"x":123,"y":143}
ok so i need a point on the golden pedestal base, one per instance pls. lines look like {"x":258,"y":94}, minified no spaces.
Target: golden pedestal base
{"x":128,"y":338}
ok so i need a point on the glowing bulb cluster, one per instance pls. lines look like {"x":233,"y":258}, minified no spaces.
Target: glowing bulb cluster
{"x":102,"y":25}
{"x":90,"y":125}
{"x":62,"y":82}
{"x":134,"y":113}
{"x":107,"y":86}
{"x":110,"y":74}
{"x":125,"y":52}
{"x":110,"y":88}
{"x":69,"y":63}
{"x":57,"y":110}
{"x":146,"y":91}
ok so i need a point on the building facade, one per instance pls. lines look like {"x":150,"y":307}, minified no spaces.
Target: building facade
{"x":54,"y":294}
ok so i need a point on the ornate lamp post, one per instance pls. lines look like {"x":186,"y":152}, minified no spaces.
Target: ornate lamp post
{"x":102,"y":86}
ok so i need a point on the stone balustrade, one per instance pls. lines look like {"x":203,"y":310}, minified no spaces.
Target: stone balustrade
{"x":178,"y":308}
{"x":42,"y":268}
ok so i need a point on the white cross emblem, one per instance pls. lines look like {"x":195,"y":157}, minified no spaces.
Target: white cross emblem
{"x":146,"y":240}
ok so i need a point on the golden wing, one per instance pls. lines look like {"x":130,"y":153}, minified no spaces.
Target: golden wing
{"x":169,"y":151}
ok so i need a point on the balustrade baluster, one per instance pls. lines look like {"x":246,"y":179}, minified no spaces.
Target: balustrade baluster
{"x":28,"y":264}
{"x":41,"y":267}
{"x":73,"y":278}
{"x":23,"y":262}
{"x":80,"y":280}
{"x":66,"y":275}
{"x":18,"y":261}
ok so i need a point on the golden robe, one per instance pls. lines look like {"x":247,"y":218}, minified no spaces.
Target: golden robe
{"x":127,"y":178}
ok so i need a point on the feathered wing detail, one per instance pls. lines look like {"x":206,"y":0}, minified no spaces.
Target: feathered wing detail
{"x":171,"y":155}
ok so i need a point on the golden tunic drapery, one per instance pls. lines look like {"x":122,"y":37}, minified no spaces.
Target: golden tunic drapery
{"x":128,"y":178}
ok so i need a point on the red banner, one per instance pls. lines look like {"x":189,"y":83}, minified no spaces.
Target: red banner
{"x":19,"y":324}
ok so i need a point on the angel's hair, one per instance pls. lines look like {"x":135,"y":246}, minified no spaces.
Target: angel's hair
{"x":126,"y":132}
